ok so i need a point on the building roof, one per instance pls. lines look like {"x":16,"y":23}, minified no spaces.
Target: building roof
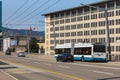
{"x":104,"y":1}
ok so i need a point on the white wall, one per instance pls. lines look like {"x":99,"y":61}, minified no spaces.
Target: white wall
{"x":6,"y":44}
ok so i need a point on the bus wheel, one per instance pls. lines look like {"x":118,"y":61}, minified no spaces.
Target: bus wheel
{"x":82,"y":59}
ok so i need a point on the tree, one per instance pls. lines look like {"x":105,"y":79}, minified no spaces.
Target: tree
{"x":34,"y":47}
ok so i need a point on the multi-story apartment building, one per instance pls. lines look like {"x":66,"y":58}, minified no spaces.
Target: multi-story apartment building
{"x":84,"y":24}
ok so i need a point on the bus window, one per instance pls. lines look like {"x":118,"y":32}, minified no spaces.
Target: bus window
{"x":86,"y":51}
{"x":99,"y":48}
{"x":58,"y":51}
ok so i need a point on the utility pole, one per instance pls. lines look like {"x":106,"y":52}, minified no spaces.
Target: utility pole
{"x":53,"y":32}
{"x":108,"y":48}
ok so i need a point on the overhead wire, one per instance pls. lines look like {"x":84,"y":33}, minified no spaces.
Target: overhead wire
{"x":13,"y":14}
{"x":33,"y":11}
{"x":17,"y":17}
{"x":40,"y":11}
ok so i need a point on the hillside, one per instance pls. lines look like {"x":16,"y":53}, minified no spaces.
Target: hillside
{"x":18,"y":32}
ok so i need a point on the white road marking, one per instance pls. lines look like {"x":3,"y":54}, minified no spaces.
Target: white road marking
{"x":64,"y":66}
{"x":103,"y":72}
{"x":9,"y":75}
{"x":48,"y":64}
{"x":36,"y":62}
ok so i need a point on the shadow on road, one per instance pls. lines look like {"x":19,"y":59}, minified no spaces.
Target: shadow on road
{"x":2,"y":63}
{"x":112,"y":78}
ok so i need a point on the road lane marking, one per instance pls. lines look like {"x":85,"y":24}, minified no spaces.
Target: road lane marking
{"x":103,"y":72}
{"x":36,"y":62}
{"x":43,"y":70}
{"x":64,"y":66}
{"x":97,"y":66}
{"x":9,"y":75}
{"x":47,"y":64}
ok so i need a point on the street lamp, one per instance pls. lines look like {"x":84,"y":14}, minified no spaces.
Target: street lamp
{"x":108,"y":48}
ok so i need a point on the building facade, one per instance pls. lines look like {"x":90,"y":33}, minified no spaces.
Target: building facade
{"x":84,"y":24}
{"x":1,"y":40}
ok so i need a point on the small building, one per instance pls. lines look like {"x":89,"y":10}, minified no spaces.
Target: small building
{"x":41,"y":48}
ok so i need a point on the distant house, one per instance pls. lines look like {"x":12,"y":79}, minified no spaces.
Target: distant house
{"x":41,"y":48}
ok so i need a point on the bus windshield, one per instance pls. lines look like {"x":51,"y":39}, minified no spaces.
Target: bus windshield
{"x":99,"y":48}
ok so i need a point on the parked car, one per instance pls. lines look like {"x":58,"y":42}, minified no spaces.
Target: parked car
{"x":8,"y":52}
{"x":65,"y":57}
{"x":21,"y":54}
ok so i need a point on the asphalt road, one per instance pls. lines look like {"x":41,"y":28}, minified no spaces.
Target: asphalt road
{"x":48,"y":69}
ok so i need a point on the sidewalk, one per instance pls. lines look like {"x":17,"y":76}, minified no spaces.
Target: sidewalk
{"x":6,"y":76}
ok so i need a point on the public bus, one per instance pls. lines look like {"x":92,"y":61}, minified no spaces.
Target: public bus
{"x":84,"y":51}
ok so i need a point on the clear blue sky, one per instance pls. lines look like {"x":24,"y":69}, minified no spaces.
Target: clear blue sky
{"x":24,"y":12}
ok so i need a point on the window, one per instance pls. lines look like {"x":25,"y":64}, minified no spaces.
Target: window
{"x":111,"y":22}
{"x":101,"y":15}
{"x":67,"y":27}
{"x":73,"y":26}
{"x":79,"y":40}
{"x":94,"y":32}
{"x":79,"y":26}
{"x":61,"y":34}
{"x":94,"y":16}
{"x":86,"y":10}
{"x":61,"y":41}
{"x":117,"y":38}
{"x":73,"y":19}
{"x":51,"y":17}
{"x":80,"y":33}
{"x":102,"y":32}
{"x":67,"y":13}
{"x":118,"y":48}
{"x":56,"y":22}
{"x":51,"y":35}
{"x":56,"y":28}
{"x":80,"y":11}
{"x":73,"y":33}
{"x":87,"y":17}
{"x":112,"y":48}
{"x":79,"y":18}
{"x":117,"y":30}
{"x":67,"y":41}
{"x":51,"y":47}
{"x":86,"y":25}
{"x":86,"y":33}
{"x":118,"y":13}
{"x":112,"y":39}
{"x":94,"y":40}
{"x":62,"y":15}
{"x":51,"y":41}
{"x":101,"y":7}
{"x":111,"y":31}
{"x":61,"y":27}
{"x":56,"y":16}
{"x":94,"y":9}
{"x":110,"y":5}
{"x":67,"y":20}
{"x":117,"y":21}
{"x":73,"y":40}
{"x":67,"y":34}
{"x":101,"y":23}
{"x":73,"y":13}
{"x":102,"y":40}
{"x":110,"y":14}
{"x":61,"y":21}
{"x":94,"y":24}
{"x":117,"y":4}
{"x":51,"y":29}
